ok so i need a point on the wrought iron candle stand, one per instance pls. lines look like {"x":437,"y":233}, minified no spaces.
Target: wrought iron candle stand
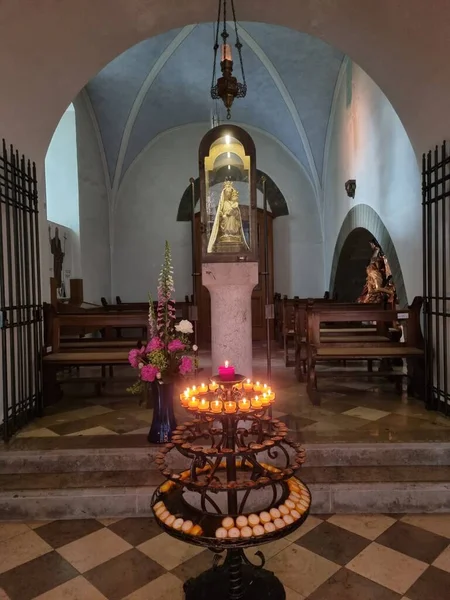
{"x":236,"y":489}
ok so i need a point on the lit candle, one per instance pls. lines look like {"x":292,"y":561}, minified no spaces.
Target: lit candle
{"x":244,"y":404}
{"x":256,"y":402}
{"x":265,"y":387}
{"x":203,"y":404}
{"x":184,"y":398}
{"x":202,"y":389}
{"x":265,"y":400}
{"x":271,"y":395}
{"x":193,"y":403}
{"x":248,"y":385}
{"x":216,"y":406}
{"x":257,"y":387}
{"x":213,"y":386}
{"x":230,"y":407}
{"x":226,"y":372}
{"x":226,"y":52}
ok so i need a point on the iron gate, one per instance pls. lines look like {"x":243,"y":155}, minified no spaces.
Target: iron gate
{"x":436,"y":285}
{"x":20,"y":293}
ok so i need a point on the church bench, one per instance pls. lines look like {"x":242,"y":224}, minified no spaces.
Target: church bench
{"x":388,"y":347}
{"x":332,"y":333}
{"x":290,"y":308}
{"x":60,"y":358}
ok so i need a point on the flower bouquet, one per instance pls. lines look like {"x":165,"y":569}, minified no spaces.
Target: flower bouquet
{"x":167,"y":355}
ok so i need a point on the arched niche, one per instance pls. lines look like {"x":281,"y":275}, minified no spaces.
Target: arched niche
{"x":275,"y":199}
{"x":360,"y":225}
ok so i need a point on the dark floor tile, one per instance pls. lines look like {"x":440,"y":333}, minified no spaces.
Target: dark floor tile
{"x":60,"y":533}
{"x":121,"y":576}
{"x":334,"y":543}
{"x":433,"y":584}
{"x":346,"y":585}
{"x":413,"y":541}
{"x":194,"y":566}
{"x":37,"y":576}
{"x":136,"y":530}
{"x":295,"y":423}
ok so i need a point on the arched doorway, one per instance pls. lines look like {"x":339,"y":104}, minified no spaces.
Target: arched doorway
{"x":351,"y":268}
{"x":352,"y":253}
{"x":277,"y":207}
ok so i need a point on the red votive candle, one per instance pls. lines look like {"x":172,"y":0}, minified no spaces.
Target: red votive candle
{"x":226,"y":372}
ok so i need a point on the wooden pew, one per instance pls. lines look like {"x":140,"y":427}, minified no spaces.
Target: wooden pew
{"x":382,"y":346}
{"x":60,"y":358}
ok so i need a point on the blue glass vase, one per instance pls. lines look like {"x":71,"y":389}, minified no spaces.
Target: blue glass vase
{"x":163,"y":422}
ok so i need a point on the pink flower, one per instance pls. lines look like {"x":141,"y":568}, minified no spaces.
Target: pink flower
{"x":186,"y":365}
{"x":148,"y":373}
{"x":175,"y":345}
{"x":154,"y":344}
{"x":134,"y":356}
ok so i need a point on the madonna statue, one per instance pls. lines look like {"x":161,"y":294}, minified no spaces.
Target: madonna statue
{"x":227,"y":234}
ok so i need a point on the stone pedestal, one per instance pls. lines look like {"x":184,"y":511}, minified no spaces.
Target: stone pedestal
{"x":230,"y":286}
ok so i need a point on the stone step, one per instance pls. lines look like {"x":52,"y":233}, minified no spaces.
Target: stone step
{"x":38,"y":496}
{"x":69,"y":460}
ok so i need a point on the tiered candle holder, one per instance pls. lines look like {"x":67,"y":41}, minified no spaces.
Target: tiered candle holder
{"x":230,"y":486}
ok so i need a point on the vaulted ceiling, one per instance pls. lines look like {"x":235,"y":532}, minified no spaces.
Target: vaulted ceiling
{"x":164,"y":82}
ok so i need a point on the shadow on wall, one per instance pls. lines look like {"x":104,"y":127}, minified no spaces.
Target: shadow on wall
{"x":360,"y":225}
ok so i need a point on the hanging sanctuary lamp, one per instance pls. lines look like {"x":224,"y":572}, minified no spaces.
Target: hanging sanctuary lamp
{"x":227,"y":87}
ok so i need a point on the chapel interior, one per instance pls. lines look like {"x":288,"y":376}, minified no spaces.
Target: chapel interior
{"x":224,"y":245}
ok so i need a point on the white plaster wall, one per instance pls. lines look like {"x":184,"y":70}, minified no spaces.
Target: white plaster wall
{"x":93,"y":208}
{"x":369,"y":144}
{"x":146,"y":212}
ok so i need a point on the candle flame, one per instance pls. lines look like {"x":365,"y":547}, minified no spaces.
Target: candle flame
{"x":226,"y":364}
{"x":248,"y":380}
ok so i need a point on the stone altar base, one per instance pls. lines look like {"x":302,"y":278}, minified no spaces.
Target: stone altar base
{"x":230,"y":286}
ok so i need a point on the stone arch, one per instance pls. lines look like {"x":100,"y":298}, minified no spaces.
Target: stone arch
{"x":364,"y":217}
{"x":275,"y":197}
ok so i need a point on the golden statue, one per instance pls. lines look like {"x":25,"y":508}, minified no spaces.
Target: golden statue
{"x":227,"y":234}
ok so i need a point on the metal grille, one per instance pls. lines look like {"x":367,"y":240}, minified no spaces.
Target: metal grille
{"x":436,"y":284}
{"x":20,"y":293}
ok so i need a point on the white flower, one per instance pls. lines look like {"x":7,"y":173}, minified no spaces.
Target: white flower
{"x":158,"y":375}
{"x":184,"y":327}
{"x":195,"y":348}
{"x":141,"y":365}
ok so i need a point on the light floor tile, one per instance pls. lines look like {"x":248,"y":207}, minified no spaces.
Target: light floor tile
{"x":20,"y":549}
{"x":10,"y":530}
{"x":75,"y":589}
{"x":36,"y":524}
{"x":269,"y":550}
{"x":371,"y":414}
{"x":3,"y":595}
{"x":166,"y":587}
{"x":368,"y":526}
{"x":37,"y":433}
{"x":94,"y":549}
{"x":141,"y":415}
{"x":92,"y":431}
{"x":443,"y":560}
{"x":439,"y":524}
{"x":168,"y":552}
{"x":291,"y":595}
{"x":310,"y":524}
{"x":387,"y":567}
{"x":109,"y":521}
{"x":301,"y":570}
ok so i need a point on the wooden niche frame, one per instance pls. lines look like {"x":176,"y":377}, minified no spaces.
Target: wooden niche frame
{"x":248,"y":145}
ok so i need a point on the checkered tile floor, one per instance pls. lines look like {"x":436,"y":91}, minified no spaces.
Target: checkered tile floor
{"x":338,"y":557}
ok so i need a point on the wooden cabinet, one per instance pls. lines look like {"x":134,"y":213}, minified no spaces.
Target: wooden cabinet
{"x":259,"y":293}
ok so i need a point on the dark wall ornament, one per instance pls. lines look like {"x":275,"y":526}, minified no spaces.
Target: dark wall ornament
{"x":350,"y":188}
